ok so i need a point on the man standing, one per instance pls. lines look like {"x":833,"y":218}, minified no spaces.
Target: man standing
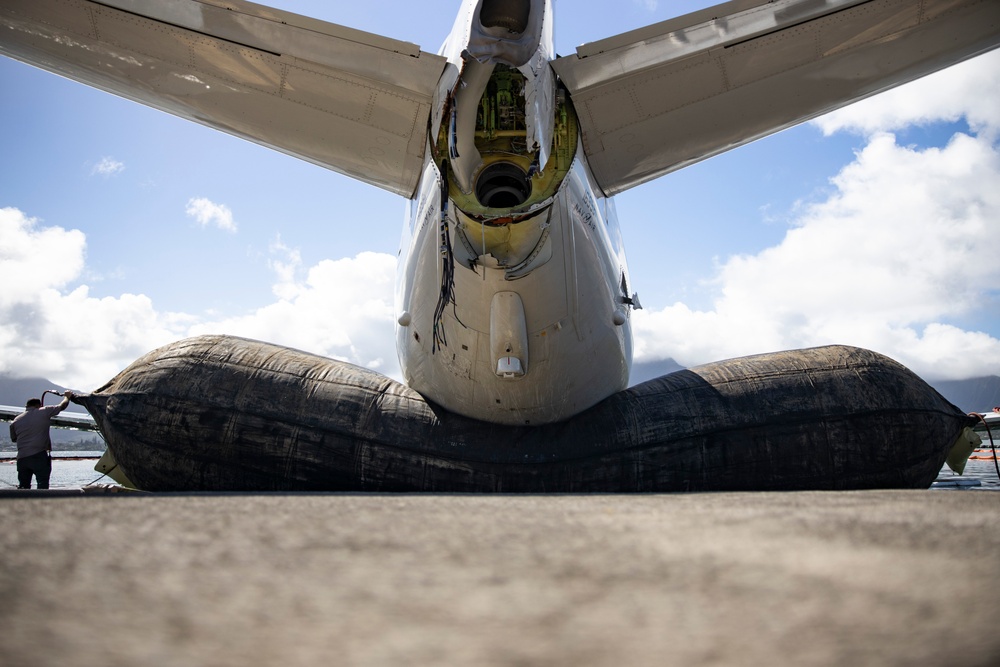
{"x":30,"y":430}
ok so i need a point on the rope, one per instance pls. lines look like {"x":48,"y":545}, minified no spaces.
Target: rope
{"x":99,"y":478}
{"x":49,"y":391}
{"x":102,"y":476}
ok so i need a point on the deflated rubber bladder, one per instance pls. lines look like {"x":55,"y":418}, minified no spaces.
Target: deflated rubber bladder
{"x":219,"y":413}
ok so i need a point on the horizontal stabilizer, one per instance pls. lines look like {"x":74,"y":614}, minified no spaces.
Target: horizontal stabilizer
{"x":347,"y":100}
{"x":660,"y":98}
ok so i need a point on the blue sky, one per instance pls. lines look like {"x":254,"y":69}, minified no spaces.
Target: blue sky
{"x":122,"y":228}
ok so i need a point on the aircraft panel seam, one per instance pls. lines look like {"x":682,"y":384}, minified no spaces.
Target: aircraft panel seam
{"x":113,"y":9}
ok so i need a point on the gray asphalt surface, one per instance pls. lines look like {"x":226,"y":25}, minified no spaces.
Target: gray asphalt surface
{"x":855,"y":578}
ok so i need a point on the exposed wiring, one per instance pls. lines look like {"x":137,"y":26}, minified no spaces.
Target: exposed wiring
{"x":453,"y":133}
{"x":447,"y":294}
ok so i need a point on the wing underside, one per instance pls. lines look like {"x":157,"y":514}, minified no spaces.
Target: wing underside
{"x":351,"y":101}
{"x":666,"y":96}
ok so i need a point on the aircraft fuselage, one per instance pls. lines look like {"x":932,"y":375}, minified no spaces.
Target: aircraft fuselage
{"x":513,"y":296}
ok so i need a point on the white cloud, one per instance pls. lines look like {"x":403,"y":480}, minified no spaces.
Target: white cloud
{"x":901,"y":249}
{"x":108,"y":166}
{"x":67,"y":337}
{"x":341,"y":309}
{"x":35,"y":258}
{"x":207,"y":212}
{"x":287,"y":265}
{"x":48,"y":328}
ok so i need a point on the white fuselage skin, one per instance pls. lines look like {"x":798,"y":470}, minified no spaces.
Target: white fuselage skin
{"x":513,"y":305}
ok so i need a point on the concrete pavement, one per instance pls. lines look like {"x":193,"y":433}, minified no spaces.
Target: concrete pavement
{"x":846,"y":578}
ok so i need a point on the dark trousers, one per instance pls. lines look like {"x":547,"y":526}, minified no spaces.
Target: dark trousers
{"x":39,"y":465}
